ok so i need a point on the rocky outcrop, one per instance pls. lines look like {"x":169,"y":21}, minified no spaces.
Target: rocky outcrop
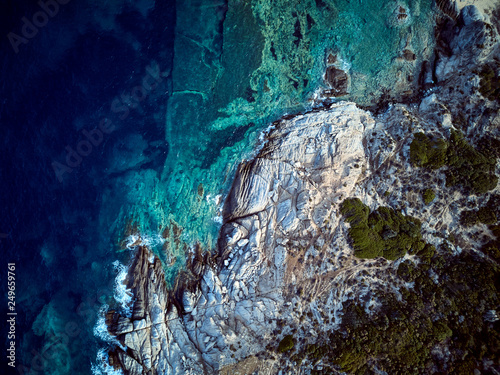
{"x":283,"y":264}
{"x":274,"y":241}
{"x":409,"y":55}
{"x":467,"y":42}
{"x":338,"y":80}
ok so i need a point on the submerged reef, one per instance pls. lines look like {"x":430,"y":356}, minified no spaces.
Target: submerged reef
{"x":357,"y":240}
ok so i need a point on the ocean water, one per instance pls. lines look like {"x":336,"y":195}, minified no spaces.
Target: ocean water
{"x":122,"y":119}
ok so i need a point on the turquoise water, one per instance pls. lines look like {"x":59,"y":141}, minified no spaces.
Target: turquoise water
{"x":241,"y":65}
{"x":228,"y":69}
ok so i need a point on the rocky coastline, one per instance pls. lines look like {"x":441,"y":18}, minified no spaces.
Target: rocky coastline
{"x":285,"y":274}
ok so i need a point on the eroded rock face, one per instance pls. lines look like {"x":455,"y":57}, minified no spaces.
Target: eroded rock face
{"x":470,"y":41}
{"x":283,"y":263}
{"x":155,"y":326}
{"x":274,"y":231}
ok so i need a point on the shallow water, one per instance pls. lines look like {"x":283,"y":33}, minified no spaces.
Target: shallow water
{"x":213,"y":75}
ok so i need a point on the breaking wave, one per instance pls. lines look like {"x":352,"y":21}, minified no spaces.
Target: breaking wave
{"x":122,"y":295}
{"x":102,"y":366}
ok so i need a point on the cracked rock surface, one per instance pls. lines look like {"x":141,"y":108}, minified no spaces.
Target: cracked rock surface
{"x":273,"y":234}
{"x":283,"y":264}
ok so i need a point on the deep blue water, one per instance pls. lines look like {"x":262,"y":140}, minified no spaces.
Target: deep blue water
{"x":157,"y":116}
{"x":63,"y":81}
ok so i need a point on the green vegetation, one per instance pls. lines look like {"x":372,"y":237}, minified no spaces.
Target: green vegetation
{"x":466,"y":166}
{"x":493,"y":204}
{"x":286,"y":344}
{"x":492,"y":248}
{"x":487,"y":214}
{"x":428,"y":195}
{"x":383,"y":232}
{"x":428,"y":152}
{"x":400,"y":337}
{"x":445,"y":309}
{"x":489,"y":146}
{"x":468,"y":218}
{"x":489,"y":85}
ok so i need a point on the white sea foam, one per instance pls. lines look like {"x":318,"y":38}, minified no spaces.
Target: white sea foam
{"x":214,"y":200}
{"x":124,"y":298}
{"x":218,"y":202}
{"x":101,"y":329}
{"x":102,"y":366}
{"x":132,"y":241}
{"x":150,"y":241}
{"x":121,"y":294}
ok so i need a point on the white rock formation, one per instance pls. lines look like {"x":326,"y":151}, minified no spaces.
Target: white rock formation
{"x":281,"y":234}
{"x":283,"y":253}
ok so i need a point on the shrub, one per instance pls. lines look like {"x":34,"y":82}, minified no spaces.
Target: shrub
{"x":441,"y":331}
{"x":467,"y":167}
{"x":383,"y":232}
{"x":494,"y":205}
{"x":286,"y":344}
{"x":354,"y":211}
{"x":489,"y":85}
{"x":428,"y":195}
{"x":489,"y":146}
{"x":492,"y":248}
{"x":428,"y":152}
{"x":427,"y":252}
{"x":486,"y":215}
{"x":468,"y":218}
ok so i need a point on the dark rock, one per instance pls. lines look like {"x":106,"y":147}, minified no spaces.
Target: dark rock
{"x":331,"y":59}
{"x":402,"y":16}
{"x":425,"y":80}
{"x":310,"y":22}
{"x":409,"y":55}
{"x":338,"y":81}
{"x":297,"y":33}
